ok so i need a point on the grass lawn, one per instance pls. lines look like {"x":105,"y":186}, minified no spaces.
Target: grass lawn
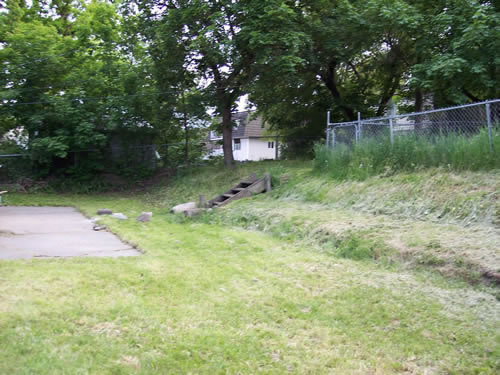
{"x":208,"y":297}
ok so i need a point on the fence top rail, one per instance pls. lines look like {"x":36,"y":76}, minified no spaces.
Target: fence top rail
{"x":343,"y":124}
{"x":347,"y":123}
{"x":10,"y":155}
{"x":373,"y":119}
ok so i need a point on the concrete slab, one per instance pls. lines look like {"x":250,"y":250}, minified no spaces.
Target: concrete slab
{"x":29,"y":232}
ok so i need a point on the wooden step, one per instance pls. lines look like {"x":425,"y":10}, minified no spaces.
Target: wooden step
{"x":245,"y":188}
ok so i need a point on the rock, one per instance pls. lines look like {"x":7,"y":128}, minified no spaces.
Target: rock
{"x":493,"y":276}
{"x":104,"y":211}
{"x":144,"y":217}
{"x":95,"y":220}
{"x":183,"y":207}
{"x":119,"y":216}
{"x":99,"y":227}
{"x":193,"y":212}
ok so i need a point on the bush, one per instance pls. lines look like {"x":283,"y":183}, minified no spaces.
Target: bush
{"x":376,"y":156}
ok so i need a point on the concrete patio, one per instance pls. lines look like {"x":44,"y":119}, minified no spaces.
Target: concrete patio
{"x":33,"y":232}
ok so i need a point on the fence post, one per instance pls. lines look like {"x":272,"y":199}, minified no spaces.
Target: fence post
{"x":391,"y":130}
{"x":391,"y":120}
{"x":488,"y":121}
{"x":327,"y":129}
{"x":360,"y":127}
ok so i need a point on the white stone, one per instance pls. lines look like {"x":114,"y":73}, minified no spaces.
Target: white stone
{"x":145,"y":217}
{"x":183,"y":207}
{"x":119,"y":216}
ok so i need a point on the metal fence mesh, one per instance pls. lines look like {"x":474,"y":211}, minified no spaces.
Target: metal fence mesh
{"x":466,"y":120}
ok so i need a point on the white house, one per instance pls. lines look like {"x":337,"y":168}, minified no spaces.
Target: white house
{"x":250,"y":139}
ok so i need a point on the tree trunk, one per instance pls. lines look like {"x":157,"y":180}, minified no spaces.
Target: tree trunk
{"x":227,"y":136}
{"x":388,"y":93}
{"x":186,"y":142}
{"x":419,"y":107}
{"x":419,"y":100}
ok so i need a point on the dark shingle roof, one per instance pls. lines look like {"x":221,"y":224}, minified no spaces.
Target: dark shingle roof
{"x":248,"y":125}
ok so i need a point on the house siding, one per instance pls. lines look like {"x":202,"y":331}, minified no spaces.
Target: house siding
{"x":241,"y":154}
{"x":259,"y":149}
{"x":253,"y":138}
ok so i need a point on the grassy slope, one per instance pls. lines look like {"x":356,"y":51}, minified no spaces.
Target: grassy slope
{"x":447,"y":220}
{"x":210,"y":298}
{"x":433,"y":217}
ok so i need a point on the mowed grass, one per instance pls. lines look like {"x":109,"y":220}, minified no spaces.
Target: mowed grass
{"x":210,"y":298}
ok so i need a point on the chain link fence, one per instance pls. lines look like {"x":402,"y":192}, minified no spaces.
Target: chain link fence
{"x":466,"y":120}
{"x":137,"y":161}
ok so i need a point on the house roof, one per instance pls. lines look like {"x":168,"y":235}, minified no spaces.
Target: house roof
{"x":248,"y":125}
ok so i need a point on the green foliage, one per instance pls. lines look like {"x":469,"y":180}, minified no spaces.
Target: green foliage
{"x":219,"y":44}
{"x":376,"y":156}
{"x":69,"y":85}
{"x":79,"y":75}
{"x":467,"y":67}
{"x":356,"y":55}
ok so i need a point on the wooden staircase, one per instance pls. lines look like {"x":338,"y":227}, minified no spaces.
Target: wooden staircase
{"x":246,"y":188}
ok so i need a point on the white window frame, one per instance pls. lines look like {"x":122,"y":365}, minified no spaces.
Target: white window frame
{"x":237,"y":145}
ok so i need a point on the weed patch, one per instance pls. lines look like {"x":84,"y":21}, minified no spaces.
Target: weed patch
{"x":377,"y":156}
{"x":356,"y":247}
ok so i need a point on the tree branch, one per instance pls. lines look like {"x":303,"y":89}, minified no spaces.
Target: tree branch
{"x":470,"y":95}
{"x":329,"y":79}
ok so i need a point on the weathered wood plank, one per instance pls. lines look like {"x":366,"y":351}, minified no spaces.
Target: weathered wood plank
{"x":250,"y":186}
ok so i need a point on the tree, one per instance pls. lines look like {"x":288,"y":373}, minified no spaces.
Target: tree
{"x":69,"y":83}
{"x":361,"y":53}
{"x":219,"y":41}
{"x":459,"y":60}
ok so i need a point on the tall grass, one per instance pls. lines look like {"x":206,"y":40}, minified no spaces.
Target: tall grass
{"x":375,"y":156}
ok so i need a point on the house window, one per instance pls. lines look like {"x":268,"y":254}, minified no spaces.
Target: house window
{"x":237,"y":144}
{"x":213,"y":135}
{"x":270,"y":144}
